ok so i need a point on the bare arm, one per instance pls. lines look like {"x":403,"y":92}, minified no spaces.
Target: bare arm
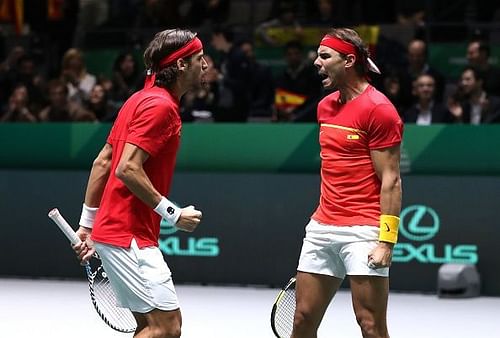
{"x":98,"y":177}
{"x":386,"y":165}
{"x":95,"y":186}
{"x":131,"y":172}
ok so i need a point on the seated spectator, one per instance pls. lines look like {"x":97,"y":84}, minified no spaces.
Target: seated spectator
{"x":391,"y":86}
{"x":261,"y":84}
{"x":298,"y":88}
{"x":126,"y":78}
{"x":28,"y":75}
{"x":60,"y":108}
{"x":75,"y":76}
{"x":471,"y":104}
{"x":397,"y":80}
{"x":281,"y":29}
{"x":17,"y":109}
{"x":478,"y":55}
{"x":98,"y":103}
{"x":426,"y":110}
{"x":418,"y":64}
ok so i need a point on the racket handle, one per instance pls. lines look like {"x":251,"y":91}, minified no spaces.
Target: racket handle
{"x":56,"y":216}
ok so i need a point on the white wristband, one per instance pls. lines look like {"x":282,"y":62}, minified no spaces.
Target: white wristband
{"x":88,"y":216}
{"x":168,"y":210}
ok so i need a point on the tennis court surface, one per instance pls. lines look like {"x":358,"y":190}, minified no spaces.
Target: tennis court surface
{"x":52,"y":308}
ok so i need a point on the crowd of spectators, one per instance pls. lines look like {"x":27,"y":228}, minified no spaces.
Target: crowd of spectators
{"x":54,"y":84}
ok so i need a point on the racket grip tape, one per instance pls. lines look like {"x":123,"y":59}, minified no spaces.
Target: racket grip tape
{"x":56,"y":216}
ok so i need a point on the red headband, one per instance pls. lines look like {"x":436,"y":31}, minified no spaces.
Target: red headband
{"x":345,"y":47}
{"x":339,"y":45}
{"x":193,"y":46}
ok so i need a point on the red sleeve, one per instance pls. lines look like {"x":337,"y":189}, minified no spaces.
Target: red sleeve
{"x":385,"y":128}
{"x":152,"y":124}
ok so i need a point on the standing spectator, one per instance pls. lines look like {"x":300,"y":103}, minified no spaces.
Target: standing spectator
{"x":75,"y":75}
{"x":298,"y":88}
{"x":478,"y":55}
{"x":262,"y":84}
{"x":8,"y":71}
{"x":18,"y":107}
{"x":126,"y":78}
{"x":471,"y":104}
{"x":426,"y":110}
{"x":283,"y":28}
{"x":234,"y":78}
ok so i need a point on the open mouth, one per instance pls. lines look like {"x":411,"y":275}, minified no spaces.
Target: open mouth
{"x":325,"y":80}
{"x":322,"y":76}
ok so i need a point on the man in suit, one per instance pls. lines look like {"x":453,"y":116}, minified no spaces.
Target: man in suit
{"x":426,"y":110}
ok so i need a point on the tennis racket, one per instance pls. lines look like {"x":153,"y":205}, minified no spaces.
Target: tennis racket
{"x":101,"y":294}
{"x":284,"y":310}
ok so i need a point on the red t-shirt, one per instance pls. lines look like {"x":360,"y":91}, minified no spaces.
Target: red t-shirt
{"x":350,"y":188}
{"x":150,"y":120}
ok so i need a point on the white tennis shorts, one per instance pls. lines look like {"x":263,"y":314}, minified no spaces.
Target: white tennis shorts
{"x":140,"y":278}
{"x":339,"y":250}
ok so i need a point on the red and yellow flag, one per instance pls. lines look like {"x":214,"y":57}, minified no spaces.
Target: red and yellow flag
{"x":286,"y":99}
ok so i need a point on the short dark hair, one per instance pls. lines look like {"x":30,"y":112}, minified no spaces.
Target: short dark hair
{"x":351,"y":36}
{"x":163,"y":44}
{"x":478,"y":74}
{"x":226,"y":31}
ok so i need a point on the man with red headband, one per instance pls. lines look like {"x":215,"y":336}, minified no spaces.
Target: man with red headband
{"x":354,"y":228}
{"x":130,"y":179}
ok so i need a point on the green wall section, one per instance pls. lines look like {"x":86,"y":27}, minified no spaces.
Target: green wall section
{"x":293,"y":148}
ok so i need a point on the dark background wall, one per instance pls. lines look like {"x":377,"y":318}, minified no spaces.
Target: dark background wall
{"x":253,"y":227}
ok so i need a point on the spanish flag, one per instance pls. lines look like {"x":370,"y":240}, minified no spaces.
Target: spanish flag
{"x":286,"y":99}
{"x":13,"y":11}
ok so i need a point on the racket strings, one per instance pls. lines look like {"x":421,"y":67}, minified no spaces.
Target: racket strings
{"x":285,"y":311}
{"x":104,"y":300}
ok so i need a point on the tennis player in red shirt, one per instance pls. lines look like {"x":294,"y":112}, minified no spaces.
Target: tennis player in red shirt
{"x":130,"y":179}
{"x":354,"y":228}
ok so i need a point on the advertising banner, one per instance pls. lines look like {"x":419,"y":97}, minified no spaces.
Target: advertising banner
{"x":253,"y":225}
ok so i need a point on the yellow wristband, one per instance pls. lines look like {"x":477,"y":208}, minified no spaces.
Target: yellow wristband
{"x":389,"y":225}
